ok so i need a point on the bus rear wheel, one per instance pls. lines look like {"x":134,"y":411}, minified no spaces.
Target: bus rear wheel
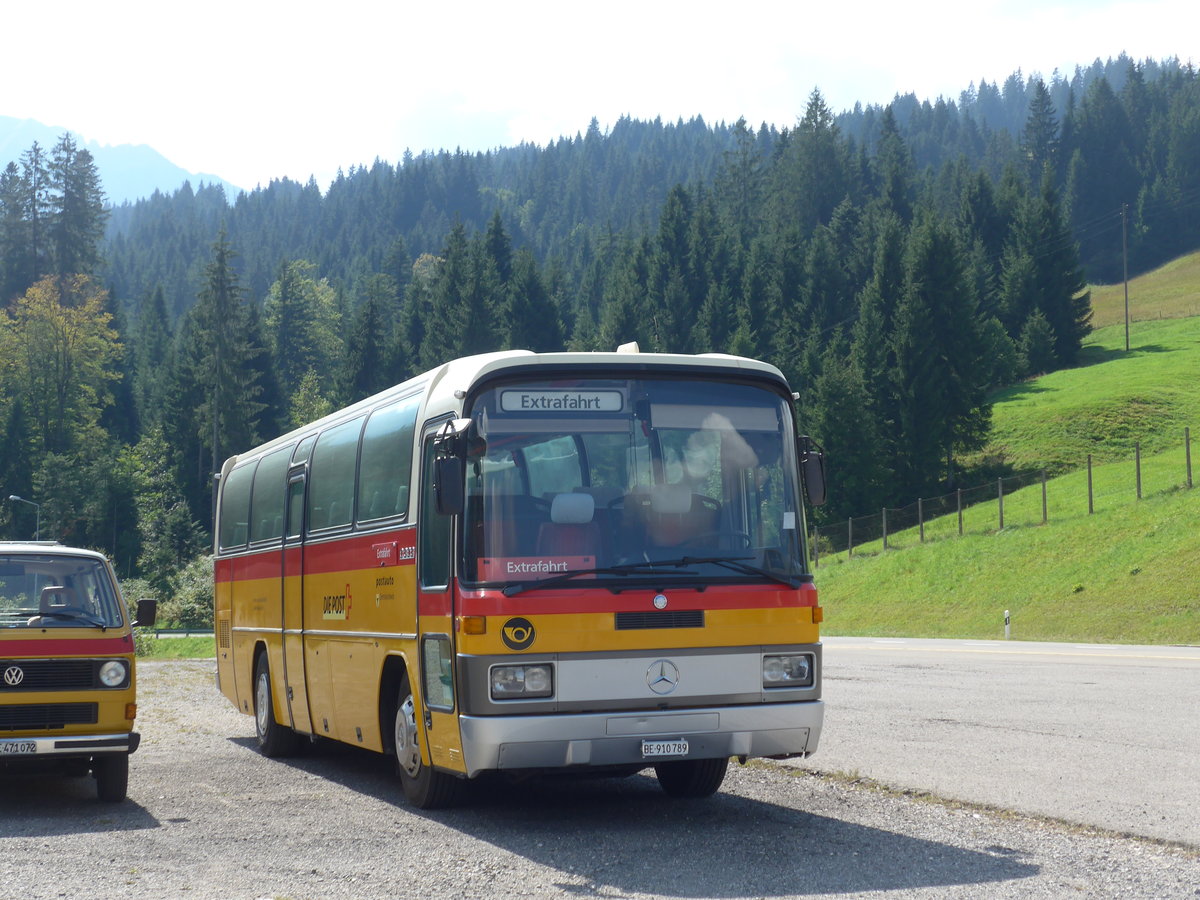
{"x":692,"y":777}
{"x":424,"y":787}
{"x":274,"y":740}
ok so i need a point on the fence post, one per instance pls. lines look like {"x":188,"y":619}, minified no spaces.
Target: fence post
{"x":959,"y":493}
{"x":885,"y":546}
{"x":1137,"y":462}
{"x":921,"y":517}
{"x":1187,"y":453}
{"x":1000,"y":500}
{"x":1044,"y":517}
{"x":849,"y":537}
{"x":816,"y":545}
{"x":1091,"y":497}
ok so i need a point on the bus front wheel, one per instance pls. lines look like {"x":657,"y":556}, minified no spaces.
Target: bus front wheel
{"x":273,"y":739}
{"x":691,"y":777}
{"x":424,"y":787}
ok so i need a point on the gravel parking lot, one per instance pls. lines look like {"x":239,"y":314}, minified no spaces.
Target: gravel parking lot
{"x":210,"y":818}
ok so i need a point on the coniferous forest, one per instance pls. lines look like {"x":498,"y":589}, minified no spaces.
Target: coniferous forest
{"x":897,"y":262}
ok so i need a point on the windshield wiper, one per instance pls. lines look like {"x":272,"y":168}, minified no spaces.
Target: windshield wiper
{"x":637,"y":568}
{"x":737,"y":564}
{"x":84,"y":617}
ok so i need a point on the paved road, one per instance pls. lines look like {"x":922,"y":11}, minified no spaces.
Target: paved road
{"x":208,"y":818}
{"x":1102,"y":735}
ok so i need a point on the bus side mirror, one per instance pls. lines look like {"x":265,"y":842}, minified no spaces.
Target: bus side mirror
{"x":147,"y":612}
{"x":448,"y":477}
{"x":812,"y":469}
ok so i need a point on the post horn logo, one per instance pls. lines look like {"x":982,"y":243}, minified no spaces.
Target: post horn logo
{"x":518,"y":633}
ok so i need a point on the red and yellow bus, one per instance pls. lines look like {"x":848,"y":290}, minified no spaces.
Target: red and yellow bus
{"x":526,"y":563}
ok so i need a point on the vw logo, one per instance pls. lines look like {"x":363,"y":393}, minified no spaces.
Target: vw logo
{"x":663,"y":676}
{"x":14,"y":675}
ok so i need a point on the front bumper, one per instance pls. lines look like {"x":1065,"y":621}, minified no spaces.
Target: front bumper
{"x":615,"y":739}
{"x":16,"y":748}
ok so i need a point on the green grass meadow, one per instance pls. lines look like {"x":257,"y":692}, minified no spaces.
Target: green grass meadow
{"x":1129,"y":572}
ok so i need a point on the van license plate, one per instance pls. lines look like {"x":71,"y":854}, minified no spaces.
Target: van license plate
{"x":17,"y":748}
{"x":664,"y":748}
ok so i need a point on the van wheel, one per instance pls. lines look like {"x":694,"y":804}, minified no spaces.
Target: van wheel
{"x":273,"y":739}
{"x":424,"y":787}
{"x":112,"y":776}
{"x":692,"y":777}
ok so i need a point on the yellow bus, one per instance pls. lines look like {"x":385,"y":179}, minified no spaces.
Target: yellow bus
{"x":67,"y":691}
{"x":528,"y":563}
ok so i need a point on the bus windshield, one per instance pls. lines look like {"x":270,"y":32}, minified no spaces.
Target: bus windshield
{"x":672,"y":480}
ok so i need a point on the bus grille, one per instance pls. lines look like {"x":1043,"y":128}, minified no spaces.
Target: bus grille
{"x":48,"y":675}
{"x":46,"y":715}
{"x":223,"y":634}
{"x":683,"y":618}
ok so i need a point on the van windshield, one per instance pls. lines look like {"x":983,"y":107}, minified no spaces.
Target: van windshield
{"x":611,"y":477}
{"x":56,"y":591}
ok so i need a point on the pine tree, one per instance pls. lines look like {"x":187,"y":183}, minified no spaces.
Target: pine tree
{"x":219,"y":328}
{"x":78,"y":213}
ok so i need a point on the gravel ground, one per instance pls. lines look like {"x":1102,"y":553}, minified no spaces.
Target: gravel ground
{"x":210,"y":818}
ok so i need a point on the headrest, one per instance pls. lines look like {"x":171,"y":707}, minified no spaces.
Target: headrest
{"x":674,"y":499}
{"x":572,"y":509}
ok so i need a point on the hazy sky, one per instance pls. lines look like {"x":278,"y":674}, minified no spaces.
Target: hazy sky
{"x":257,"y":89}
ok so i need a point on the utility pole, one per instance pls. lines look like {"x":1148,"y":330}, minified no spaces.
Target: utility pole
{"x":1125,"y":263}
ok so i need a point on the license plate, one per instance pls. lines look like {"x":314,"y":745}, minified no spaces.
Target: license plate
{"x":664,"y":748}
{"x":17,"y":748}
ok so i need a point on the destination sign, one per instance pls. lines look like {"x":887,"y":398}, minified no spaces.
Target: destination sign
{"x":527,"y":401}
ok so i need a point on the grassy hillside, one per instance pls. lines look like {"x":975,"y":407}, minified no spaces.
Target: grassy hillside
{"x":1170,"y":292}
{"x":1125,"y":574}
{"x":1109,"y":402}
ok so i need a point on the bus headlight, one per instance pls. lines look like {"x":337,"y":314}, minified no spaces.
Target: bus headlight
{"x":114,"y":673}
{"x":788,"y":671}
{"x":517,"y":682}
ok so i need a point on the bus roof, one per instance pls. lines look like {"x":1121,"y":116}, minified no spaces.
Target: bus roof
{"x":447,"y":385}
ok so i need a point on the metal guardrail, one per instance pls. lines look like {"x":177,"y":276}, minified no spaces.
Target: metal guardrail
{"x":182,"y":632}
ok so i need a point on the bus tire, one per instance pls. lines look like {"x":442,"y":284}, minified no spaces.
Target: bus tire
{"x":692,"y":777}
{"x":424,"y":786}
{"x":274,"y":740}
{"x":112,"y":776}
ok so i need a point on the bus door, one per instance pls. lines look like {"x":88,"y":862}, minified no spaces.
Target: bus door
{"x":435,"y":620}
{"x":293,"y":602}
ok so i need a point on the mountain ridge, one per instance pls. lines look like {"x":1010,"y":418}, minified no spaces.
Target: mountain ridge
{"x":128,"y":172}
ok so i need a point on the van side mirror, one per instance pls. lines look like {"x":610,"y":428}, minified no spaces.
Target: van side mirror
{"x":812,"y":470}
{"x":147,"y":612}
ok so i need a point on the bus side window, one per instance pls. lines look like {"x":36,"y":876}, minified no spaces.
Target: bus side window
{"x":235,"y":507}
{"x":385,"y":462}
{"x":267,"y":496}
{"x":433,"y":529}
{"x":331,"y":482}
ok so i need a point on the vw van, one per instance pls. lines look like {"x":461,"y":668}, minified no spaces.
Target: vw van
{"x":67,"y":679}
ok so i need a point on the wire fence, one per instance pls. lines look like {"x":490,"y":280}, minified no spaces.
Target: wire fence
{"x":1022,"y":499}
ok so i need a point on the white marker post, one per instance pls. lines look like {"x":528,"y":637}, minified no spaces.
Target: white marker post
{"x":1006,"y":629}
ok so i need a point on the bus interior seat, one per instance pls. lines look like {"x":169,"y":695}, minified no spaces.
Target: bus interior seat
{"x":572,"y":529}
{"x":678,"y":516}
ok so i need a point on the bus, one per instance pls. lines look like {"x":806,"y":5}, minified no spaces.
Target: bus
{"x":521,"y":563}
